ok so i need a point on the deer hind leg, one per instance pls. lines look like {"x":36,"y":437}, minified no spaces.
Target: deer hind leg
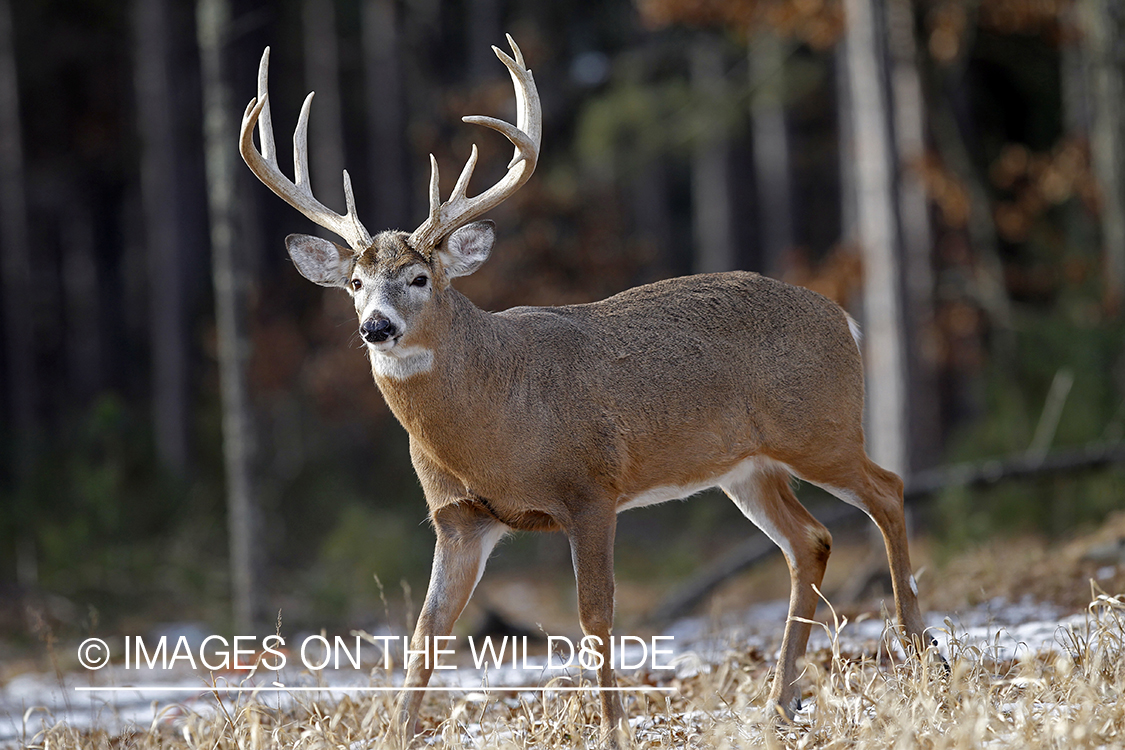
{"x":591,"y":546}
{"x":878,"y":493}
{"x":465,"y":538}
{"x":766,"y":499}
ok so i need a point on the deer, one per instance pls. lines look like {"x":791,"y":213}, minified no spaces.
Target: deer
{"x":559,"y":418}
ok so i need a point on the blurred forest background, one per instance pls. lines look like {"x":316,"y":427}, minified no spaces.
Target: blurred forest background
{"x":176,"y":397}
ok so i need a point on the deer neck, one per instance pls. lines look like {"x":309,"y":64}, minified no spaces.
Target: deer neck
{"x":442,"y":377}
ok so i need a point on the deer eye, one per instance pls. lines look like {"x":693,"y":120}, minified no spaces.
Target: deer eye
{"x":357,"y":284}
{"x":420,"y":281}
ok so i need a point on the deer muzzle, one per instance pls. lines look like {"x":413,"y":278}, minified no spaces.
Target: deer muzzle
{"x":376,"y":330}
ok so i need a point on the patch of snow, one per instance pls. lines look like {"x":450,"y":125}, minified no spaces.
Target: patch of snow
{"x":996,"y":630}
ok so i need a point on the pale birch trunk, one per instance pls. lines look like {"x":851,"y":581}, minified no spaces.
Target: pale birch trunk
{"x":917,"y":240}
{"x":877,"y":232}
{"x":231,"y":287}
{"x":1104,"y":24}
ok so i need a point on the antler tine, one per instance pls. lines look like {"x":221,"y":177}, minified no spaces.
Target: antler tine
{"x":301,"y":147}
{"x":265,"y":127}
{"x":435,"y":190}
{"x":466,"y":174}
{"x":296,"y":193}
{"x":525,"y":135}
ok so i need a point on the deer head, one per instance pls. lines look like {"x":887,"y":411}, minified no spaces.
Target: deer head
{"x":395,"y":276}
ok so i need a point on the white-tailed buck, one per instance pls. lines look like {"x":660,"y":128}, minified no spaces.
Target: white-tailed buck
{"x":559,"y":418}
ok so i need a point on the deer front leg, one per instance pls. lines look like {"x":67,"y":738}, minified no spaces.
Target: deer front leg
{"x":591,"y":546}
{"x":465,"y":538}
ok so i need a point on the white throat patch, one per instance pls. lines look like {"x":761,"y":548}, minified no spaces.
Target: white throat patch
{"x":400,"y":362}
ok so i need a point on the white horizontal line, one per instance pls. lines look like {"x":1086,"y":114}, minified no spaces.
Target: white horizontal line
{"x":342,"y":689}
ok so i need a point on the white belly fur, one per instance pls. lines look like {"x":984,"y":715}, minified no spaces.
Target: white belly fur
{"x":739,"y":473}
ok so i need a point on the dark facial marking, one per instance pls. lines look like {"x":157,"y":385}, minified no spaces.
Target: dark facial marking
{"x":390,"y":252}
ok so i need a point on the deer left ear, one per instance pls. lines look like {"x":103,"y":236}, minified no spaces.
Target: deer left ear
{"x":467,"y":248}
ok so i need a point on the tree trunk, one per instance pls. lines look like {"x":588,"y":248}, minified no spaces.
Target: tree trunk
{"x":771,"y":149}
{"x":385,"y":112}
{"x":322,"y":75}
{"x":21,"y":413}
{"x":710,"y":167}
{"x":484,"y":29}
{"x":913,"y":210}
{"x":878,"y":237}
{"x":845,"y":123}
{"x":82,"y":303}
{"x":168,"y":330}
{"x":1104,"y":22}
{"x":15,"y":254}
{"x":1074,"y":64}
{"x":231,"y":287}
{"x":652,"y":223}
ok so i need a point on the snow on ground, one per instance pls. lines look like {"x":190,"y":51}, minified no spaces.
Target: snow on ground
{"x":998,"y":629}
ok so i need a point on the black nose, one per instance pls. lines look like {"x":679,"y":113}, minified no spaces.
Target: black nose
{"x":375,"y":330}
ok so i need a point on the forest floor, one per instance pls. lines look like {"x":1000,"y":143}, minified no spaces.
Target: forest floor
{"x":1033,"y":633}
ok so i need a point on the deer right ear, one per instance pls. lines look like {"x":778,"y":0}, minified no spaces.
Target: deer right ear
{"x":320,"y":261}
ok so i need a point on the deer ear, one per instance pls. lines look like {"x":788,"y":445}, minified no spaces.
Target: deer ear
{"x":320,"y":261}
{"x":467,"y":248}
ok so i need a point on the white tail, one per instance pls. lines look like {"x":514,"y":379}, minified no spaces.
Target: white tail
{"x":558,"y":418}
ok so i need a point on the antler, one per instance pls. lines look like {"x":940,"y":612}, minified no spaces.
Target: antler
{"x":297,"y":194}
{"x":524,"y":135}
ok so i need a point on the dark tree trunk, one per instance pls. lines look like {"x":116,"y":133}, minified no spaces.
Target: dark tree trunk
{"x":168,"y":331}
{"x":710,"y":167}
{"x":326,"y":128}
{"x":484,"y":28}
{"x":390,"y":183}
{"x":845,"y":122}
{"x":15,"y":253}
{"x":772,"y":175}
{"x":651,"y":212}
{"x":83,"y":303}
{"x":21,"y":415}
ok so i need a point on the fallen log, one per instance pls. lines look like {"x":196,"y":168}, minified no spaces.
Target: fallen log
{"x":985,"y":473}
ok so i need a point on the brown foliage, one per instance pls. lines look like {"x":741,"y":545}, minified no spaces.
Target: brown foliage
{"x":1036,"y":182}
{"x":819,"y":23}
{"x":838,"y":276}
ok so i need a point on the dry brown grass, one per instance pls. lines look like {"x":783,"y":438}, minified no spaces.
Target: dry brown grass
{"x":1070,"y":698}
{"x":1013,"y":568}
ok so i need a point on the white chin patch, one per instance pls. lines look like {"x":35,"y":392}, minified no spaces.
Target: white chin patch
{"x":399,"y":362}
